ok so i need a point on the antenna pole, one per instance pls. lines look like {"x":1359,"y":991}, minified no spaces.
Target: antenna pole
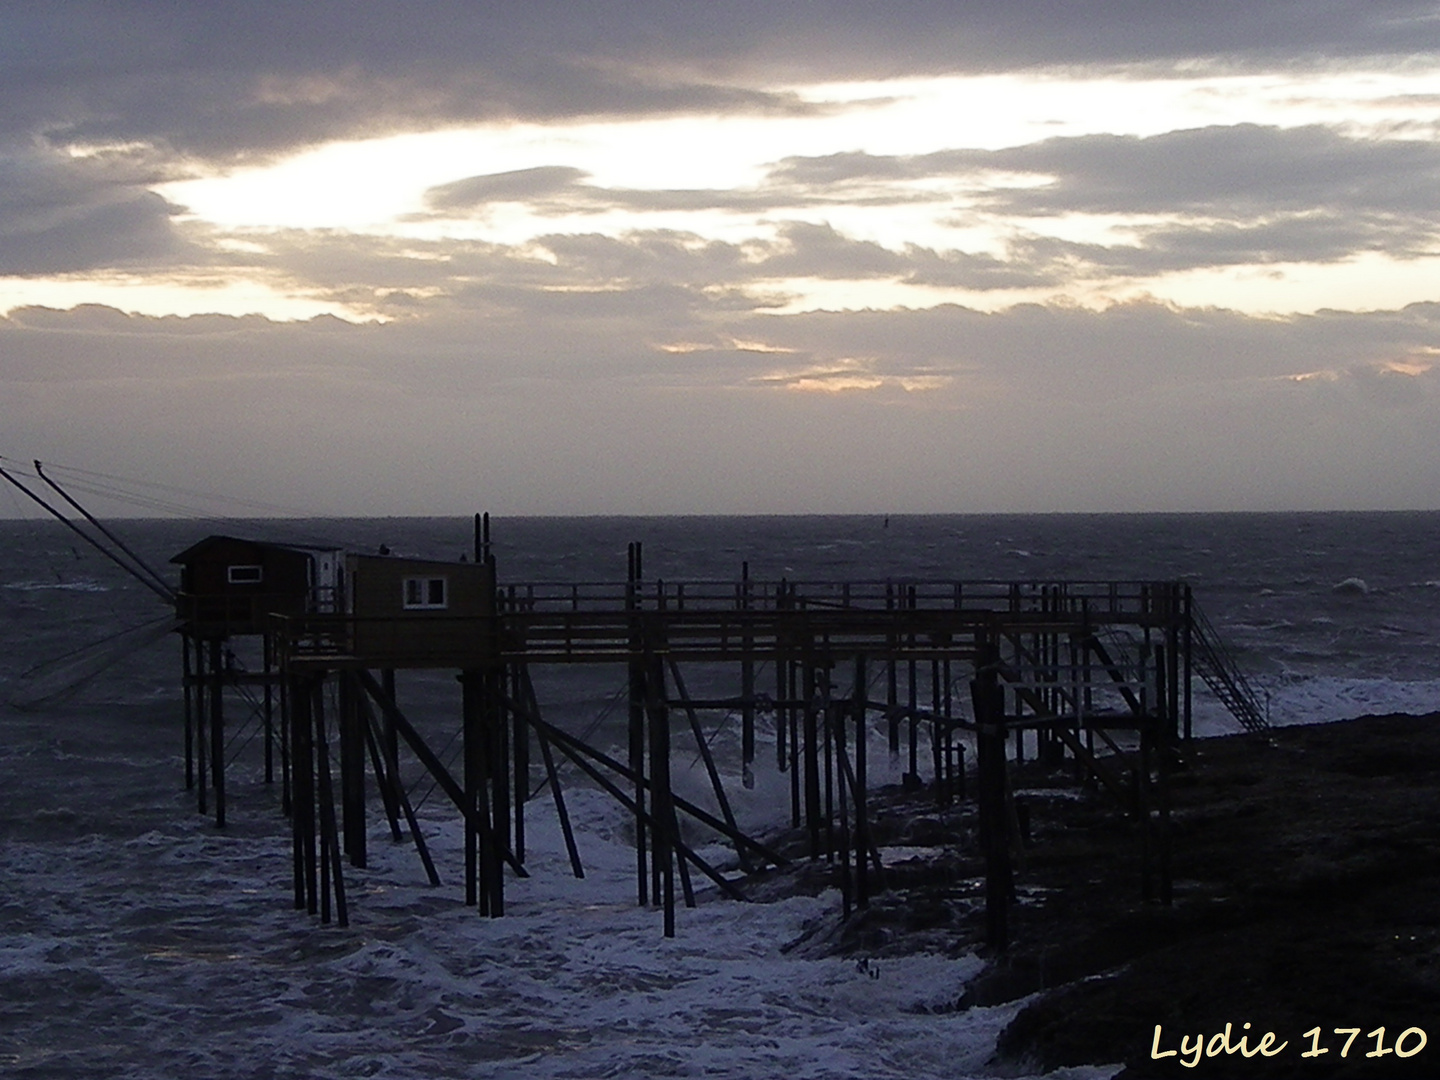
{"x":164,"y":594}
{"x":141,"y":563}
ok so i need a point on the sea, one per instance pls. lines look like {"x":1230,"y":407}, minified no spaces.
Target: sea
{"x":138,"y":940}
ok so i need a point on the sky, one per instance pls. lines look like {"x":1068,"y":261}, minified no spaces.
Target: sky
{"x":811,"y":256}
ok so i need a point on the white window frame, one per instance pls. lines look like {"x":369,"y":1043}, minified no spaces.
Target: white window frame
{"x":253,"y":574}
{"x":422,"y":598}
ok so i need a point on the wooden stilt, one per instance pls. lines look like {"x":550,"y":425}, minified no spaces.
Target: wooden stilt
{"x":747,"y":688}
{"x":351,"y":733}
{"x":217,"y":730}
{"x":530,"y":715}
{"x":636,"y":683}
{"x":862,"y":820}
{"x":333,"y":881}
{"x":285,"y":699}
{"x":811,"y":752}
{"x":385,"y":782}
{"x":476,"y":894}
{"x":188,"y":690}
{"x":704,"y":748}
{"x":994,"y":831}
{"x":267,"y":648}
{"x":202,"y":711}
{"x":665,"y":833}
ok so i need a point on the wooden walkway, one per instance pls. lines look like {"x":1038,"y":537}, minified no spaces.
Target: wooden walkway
{"x":1097,"y":674}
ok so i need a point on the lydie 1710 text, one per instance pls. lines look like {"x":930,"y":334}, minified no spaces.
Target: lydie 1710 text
{"x":1225,"y":1043}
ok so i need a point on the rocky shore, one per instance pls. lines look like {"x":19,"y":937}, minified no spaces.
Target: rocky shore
{"x":1306,"y":896}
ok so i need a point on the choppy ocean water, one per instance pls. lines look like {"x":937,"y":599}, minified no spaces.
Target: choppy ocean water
{"x":137,"y":941}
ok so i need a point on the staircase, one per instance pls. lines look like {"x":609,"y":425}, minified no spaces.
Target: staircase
{"x":1214,"y":664}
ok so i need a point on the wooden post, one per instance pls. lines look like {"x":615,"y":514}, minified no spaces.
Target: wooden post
{"x":308,"y":704}
{"x":703,"y":747}
{"x":662,"y":804}
{"x":484,"y":877}
{"x":811,"y":756}
{"x":498,"y":756}
{"x":912,"y":701}
{"x":385,"y":781}
{"x":935,"y":714}
{"x":217,"y":730}
{"x":332,"y":875}
{"x":1162,"y":741}
{"x":187,"y":680}
{"x":351,"y":733}
{"x":661,"y":842}
{"x":636,"y":683}
{"x":835,"y":718}
{"x":892,"y":682}
{"x":268,"y":664}
{"x":473,"y":753}
{"x":301,"y":807}
{"x":827,"y":737}
{"x":497,"y":777}
{"x":862,"y":802}
{"x":520,"y":739}
{"x":390,"y":738}
{"x":782,"y":665}
{"x":286,"y":803}
{"x":946,"y":732}
{"x":1189,"y":629}
{"x":202,"y":709}
{"x":397,"y":801}
{"x":747,"y":687}
{"x":990,"y":750}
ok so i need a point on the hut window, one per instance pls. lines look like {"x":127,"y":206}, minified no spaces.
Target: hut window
{"x":423,"y":592}
{"x":244,"y":575}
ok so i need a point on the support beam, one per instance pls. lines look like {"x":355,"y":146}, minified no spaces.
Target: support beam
{"x":427,"y":757}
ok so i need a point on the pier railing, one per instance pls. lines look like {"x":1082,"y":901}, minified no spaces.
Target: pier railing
{"x":608,"y":621}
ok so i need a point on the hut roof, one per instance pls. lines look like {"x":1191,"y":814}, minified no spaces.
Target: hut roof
{"x":198,"y":549}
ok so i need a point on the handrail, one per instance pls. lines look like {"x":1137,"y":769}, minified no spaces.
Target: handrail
{"x":1218,"y":668}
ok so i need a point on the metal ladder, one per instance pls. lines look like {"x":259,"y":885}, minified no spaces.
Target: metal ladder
{"x":1213,"y":663}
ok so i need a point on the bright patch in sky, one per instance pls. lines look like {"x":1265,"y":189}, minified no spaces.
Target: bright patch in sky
{"x":378,"y":186}
{"x":372,"y":184}
{"x":1367,"y":282}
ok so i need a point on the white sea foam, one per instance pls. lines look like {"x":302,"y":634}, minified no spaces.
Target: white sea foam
{"x":1316,"y":699}
{"x":176,"y":950}
{"x":136,"y":941}
{"x":80,"y":585}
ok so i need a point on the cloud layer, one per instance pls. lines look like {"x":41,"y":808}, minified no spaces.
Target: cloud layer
{"x":979,"y":324}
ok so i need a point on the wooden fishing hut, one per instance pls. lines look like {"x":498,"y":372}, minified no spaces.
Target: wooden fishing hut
{"x":229,"y":588}
{"x":418,"y":613}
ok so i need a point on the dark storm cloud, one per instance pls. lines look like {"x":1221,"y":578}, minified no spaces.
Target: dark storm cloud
{"x":180,"y":85}
{"x":1312,"y":238}
{"x":1236,"y":169}
{"x":59,"y":215}
{"x":1238,"y":194}
{"x":233,"y":80}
